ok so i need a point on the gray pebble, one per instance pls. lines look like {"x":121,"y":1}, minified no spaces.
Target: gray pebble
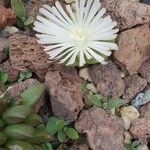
{"x":141,"y":99}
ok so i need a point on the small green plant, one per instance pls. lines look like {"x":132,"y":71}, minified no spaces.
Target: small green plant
{"x":20,"y":127}
{"x":3,"y":77}
{"x":23,"y":20}
{"x":107,"y":104}
{"x":24,"y":76}
{"x":61,"y":131}
{"x":132,"y":146}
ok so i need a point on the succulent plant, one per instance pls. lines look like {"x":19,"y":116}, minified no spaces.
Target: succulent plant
{"x":20,"y":127}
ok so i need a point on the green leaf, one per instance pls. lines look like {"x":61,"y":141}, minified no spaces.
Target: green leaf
{"x":25,"y":75}
{"x":47,"y":146}
{"x":19,"y":9}
{"x":29,"y":21}
{"x":83,"y":87}
{"x":71,"y":133}
{"x":32,"y":94}
{"x":115,"y":103}
{"x":61,"y":136}
{"x":3,"y":76}
{"x":60,"y":124}
{"x":51,"y":127}
{"x":94,"y":100}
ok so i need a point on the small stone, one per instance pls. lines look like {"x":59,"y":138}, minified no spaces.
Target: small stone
{"x":127,"y":137}
{"x":104,"y":131}
{"x":10,"y":70}
{"x":145,"y":111}
{"x":133,"y":85}
{"x":144,"y":70}
{"x":107,"y":79}
{"x":141,"y":99}
{"x":9,"y":30}
{"x":66,"y":94}
{"x":133,"y":48}
{"x":91,"y":87}
{"x":83,"y":73}
{"x":69,"y":1}
{"x":142,"y":147}
{"x":127,"y":122}
{"x":8,"y":16}
{"x":129,"y":112}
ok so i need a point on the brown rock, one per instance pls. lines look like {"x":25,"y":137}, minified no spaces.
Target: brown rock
{"x":140,"y":129}
{"x":11,"y":72}
{"x":8,"y":17}
{"x":145,"y":111}
{"x":66,"y":95}
{"x":107,"y":79}
{"x":104,"y":131}
{"x":4,"y":43}
{"x":133,"y":85}
{"x":127,"y":13}
{"x":145,"y":70}
{"x":18,"y":88}
{"x":134,"y":48}
{"x":35,"y":5}
{"x":27,"y":54}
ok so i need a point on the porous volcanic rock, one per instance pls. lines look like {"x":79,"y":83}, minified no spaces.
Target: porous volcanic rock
{"x":77,"y":146}
{"x":133,"y":85}
{"x":4,"y":43}
{"x":145,"y":111}
{"x":134,"y":48}
{"x":27,"y":54}
{"x":144,"y":70}
{"x":127,"y":13}
{"x":65,"y":93}
{"x":8,"y":16}
{"x":104,"y":131}
{"x":107,"y":79}
{"x":10,"y":70}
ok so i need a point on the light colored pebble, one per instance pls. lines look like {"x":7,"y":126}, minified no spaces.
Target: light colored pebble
{"x":91,"y":87}
{"x":9,"y":30}
{"x":130,"y":112}
{"x":141,"y":99}
{"x":127,"y":123}
{"x":83,"y":73}
{"x":142,"y":147}
{"x":127,"y":137}
{"x":69,"y":1}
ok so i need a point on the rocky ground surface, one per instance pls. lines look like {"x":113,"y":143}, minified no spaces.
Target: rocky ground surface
{"x":126,"y":76}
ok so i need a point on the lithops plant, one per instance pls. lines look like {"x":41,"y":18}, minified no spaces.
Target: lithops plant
{"x":20,"y":127}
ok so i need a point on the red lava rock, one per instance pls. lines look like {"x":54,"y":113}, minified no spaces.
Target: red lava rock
{"x":11,"y":72}
{"x":27,"y":54}
{"x":140,"y":129}
{"x":134,"y":48}
{"x":65,"y":93}
{"x":35,"y":5}
{"x":104,"y":131}
{"x":144,"y":70}
{"x":107,"y":79}
{"x":4,"y":43}
{"x":8,"y":17}
{"x":18,"y":88}
{"x":127,"y":13}
{"x":133,"y":85}
{"x":145,"y":111}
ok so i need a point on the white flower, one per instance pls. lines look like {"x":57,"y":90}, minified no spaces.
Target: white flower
{"x":79,"y":34}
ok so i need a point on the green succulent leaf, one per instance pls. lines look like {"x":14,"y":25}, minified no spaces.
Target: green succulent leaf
{"x":3,"y":77}
{"x":94,"y":100}
{"x":16,"y":114}
{"x":47,"y":146}
{"x":19,"y":9}
{"x":19,"y":132}
{"x":33,"y":120}
{"x":115,"y":103}
{"x":51,"y":127}
{"x":33,"y":94}
{"x":61,"y":136}
{"x":71,"y":133}
{"x":60,"y":124}
{"x":19,"y":145}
